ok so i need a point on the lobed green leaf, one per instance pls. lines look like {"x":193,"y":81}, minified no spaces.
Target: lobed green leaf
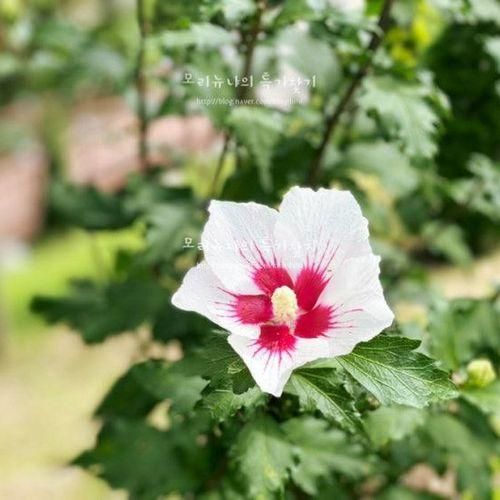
{"x":388,"y":367}
{"x":392,"y":423}
{"x":263,"y":457}
{"x":320,"y":389}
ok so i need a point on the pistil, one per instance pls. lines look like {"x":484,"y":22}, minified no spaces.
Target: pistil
{"x":285,"y":307}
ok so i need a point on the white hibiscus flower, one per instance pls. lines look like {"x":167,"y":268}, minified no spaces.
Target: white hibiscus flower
{"x":291,"y":286}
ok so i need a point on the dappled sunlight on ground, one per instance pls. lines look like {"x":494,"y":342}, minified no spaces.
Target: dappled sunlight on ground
{"x":476,"y":280}
{"x":49,"y":386}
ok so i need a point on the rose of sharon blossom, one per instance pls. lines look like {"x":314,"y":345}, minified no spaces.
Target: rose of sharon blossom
{"x":291,"y":286}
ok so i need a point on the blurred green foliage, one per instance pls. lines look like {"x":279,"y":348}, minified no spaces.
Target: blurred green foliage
{"x":50,"y":46}
{"x":92,"y":256}
{"x":417,"y":147}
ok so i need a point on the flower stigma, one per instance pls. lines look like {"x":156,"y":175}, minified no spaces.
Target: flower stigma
{"x":285,"y":307}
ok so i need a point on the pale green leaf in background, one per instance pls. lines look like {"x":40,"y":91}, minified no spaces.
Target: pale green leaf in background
{"x":200,"y":35}
{"x":321,"y":451}
{"x":404,"y":112}
{"x":384,"y":160}
{"x":259,"y":130}
{"x":391,"y":423}
{"x":487,"y":399}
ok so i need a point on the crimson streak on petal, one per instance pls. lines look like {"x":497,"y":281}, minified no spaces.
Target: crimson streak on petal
{"x":309,"y":285}
{"x":253,"y":309}
{"x":314,"y":323}
{"x":269,"y":278}
{"x":275,"y":339}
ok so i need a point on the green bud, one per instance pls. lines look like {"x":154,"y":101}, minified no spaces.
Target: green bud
{"x":480,"y":372}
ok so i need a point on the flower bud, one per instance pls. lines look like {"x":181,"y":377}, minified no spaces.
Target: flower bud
{"x":480,"y":372}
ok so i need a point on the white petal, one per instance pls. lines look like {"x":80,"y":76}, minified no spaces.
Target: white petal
{"x":313,"y":226}
{"x":201,"y":292}
{"x":271,"y":373}
{"x":236,"y":239}
{"x":344,"y":340}
{"x":360,"y":307}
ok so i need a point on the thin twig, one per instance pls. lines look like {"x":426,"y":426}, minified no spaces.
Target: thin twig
{"x":332,"y":120}
{"x":249,"y":42}
{"x":220,"y":165}
{"x":140,"y":85}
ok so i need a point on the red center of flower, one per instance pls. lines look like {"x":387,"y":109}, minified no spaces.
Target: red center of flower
{"x":286,"y":309}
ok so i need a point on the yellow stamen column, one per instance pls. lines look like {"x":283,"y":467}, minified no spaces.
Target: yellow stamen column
{"x":285,"y":305}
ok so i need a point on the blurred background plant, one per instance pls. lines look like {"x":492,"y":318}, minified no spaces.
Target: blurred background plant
{"x":107,"y":160}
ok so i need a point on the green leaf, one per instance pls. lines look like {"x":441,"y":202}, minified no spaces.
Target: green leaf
{"x":259,"y":130}
{"x":126,"y":398}
{"x":392,"y":423}
{"x":146,"y":192}
{"x":223,"y":403}
{"x":174,"y":14}
{"x":487,"y":399}
{"x":218,"y":360}
{"x":263,"y":457}
{"x":320,"y":451}
{"x":462,"y":329}
{"x":480,"y":192}
{"x":170,"y":382}
{"x":167,"y":226}
{"x":320,"y":389}
{"x":448,"y":240}
{"x":468,"y":453}
{"x":383,"y":159}
{"x":234,"y":11}
{"x":148,"y":463}
{"x":294,"y":10}
{"x":148,"y":383}
{"x":89,"y":208}
{"x":200,"y":35}
{"x":388,"y":367}
{"x":215,"y":102}
{"x":100,"y":310}
{"x":290,"y":162}
{"x":300,"y":45}
{"x":404,"y":112}
{"x":172,"y":323}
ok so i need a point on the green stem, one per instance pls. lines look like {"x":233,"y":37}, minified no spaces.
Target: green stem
{"x":220,"y":165}
{"x":332,"y":120}
{"x":141,"y":86}
{"x":249,"y":43}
